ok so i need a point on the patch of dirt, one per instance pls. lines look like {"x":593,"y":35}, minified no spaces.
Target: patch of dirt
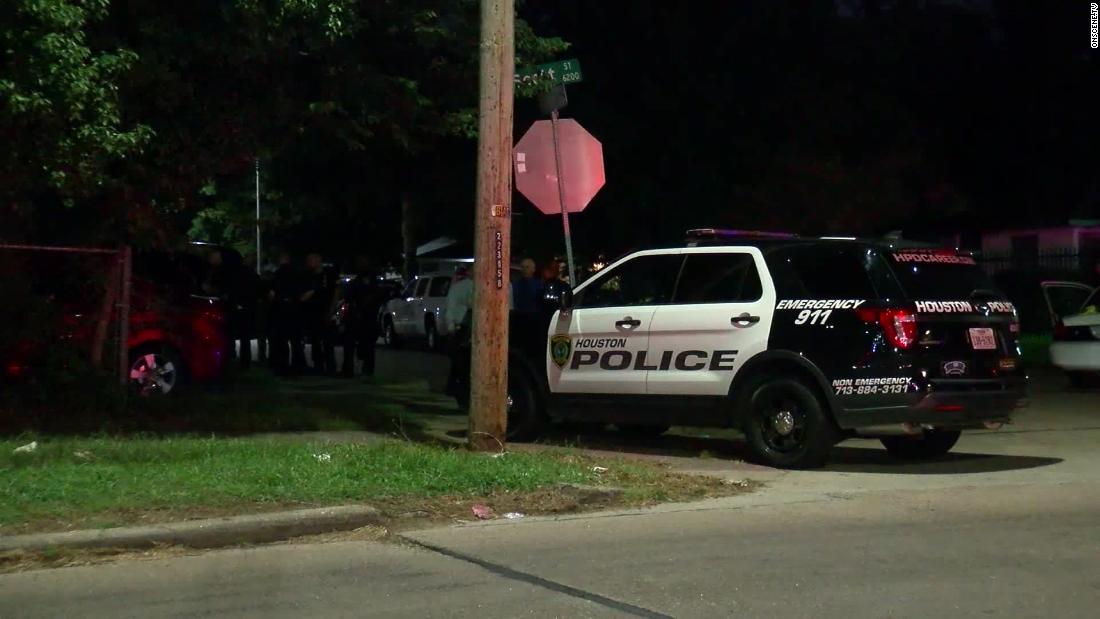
{"x":410,"y":513}
{"x":21,"y":560}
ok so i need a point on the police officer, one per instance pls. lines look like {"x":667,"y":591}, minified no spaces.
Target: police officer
{"x":318,"y":297}
{"x":242,"y":298}
{"x":284,"y":320}
{"x":365,"y":299}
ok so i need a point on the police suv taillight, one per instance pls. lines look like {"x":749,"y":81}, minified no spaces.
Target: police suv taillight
{"x":899,"y":326}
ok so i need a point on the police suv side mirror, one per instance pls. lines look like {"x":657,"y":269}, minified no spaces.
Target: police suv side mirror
{"x":567,"y":300}
{"x":558,"y":295}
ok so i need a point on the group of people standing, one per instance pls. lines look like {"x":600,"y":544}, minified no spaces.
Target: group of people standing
{"x":295,"y":307}
{"x":304,"y":304}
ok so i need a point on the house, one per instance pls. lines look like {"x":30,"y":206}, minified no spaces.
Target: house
{"x":1072,"y":247}
{"x":443,"y":254}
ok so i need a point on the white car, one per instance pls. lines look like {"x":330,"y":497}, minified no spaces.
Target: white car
{"x":419,"y":312}
{"x":1075,"y":313}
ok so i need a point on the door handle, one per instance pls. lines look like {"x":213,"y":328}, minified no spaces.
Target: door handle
{"x":744,"y":318}
{"x":628,"y":323}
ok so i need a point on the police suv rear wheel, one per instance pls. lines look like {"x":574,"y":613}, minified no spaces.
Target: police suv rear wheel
{"x":930,"y":444}
{"x":526,"y":418}
{"x":787,"y":426}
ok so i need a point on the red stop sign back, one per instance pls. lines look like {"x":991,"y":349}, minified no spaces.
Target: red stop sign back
{"x":581,"y":162}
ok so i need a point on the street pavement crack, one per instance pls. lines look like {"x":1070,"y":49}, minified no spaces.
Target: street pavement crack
{"x":507,"y":572}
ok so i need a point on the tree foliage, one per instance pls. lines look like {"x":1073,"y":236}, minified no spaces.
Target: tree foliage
{"x":59,"y":104}
{"x":133,"y":108}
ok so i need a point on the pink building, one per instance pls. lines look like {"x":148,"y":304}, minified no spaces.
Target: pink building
{"x":1071,"y":247}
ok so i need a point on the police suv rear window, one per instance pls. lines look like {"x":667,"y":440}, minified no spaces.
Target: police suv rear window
{"x":938,"y":274}
{"x":822,"y":272}
{"x":718,"y":278}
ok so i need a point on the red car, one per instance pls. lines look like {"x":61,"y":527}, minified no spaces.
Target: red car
{"x":176,"y":335}
{"x":174,"y":342}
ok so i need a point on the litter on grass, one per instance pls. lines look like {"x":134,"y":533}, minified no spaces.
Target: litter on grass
{"x":513,"y":515}
{"x":482,"y":511}
{"x":26,"y":449}
{"x":599,"y":469}
{"x":323,"y":457}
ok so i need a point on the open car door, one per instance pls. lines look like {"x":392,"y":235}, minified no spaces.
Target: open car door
{"x":1065,"y":299}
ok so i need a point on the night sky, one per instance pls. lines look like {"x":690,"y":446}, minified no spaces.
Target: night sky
{"x":856,"y":117}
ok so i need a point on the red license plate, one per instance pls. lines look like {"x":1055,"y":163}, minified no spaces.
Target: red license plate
{"x":983,"y":338}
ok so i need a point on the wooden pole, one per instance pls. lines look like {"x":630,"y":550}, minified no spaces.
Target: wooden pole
{"x":126,"y":276}
{"x":492,"y":229}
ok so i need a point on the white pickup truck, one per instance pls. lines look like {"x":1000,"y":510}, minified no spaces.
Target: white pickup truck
{"x":418,"y":313}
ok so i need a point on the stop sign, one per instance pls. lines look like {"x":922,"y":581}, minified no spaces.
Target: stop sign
{"x":581,"y":166}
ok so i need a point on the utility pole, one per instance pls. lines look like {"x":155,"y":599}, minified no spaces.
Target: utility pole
{"x":492,"y":229}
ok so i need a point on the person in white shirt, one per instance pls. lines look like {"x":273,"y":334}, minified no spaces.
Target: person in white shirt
{"x":460,"y":301}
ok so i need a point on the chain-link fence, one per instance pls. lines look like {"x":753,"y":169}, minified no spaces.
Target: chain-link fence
{"x":62,"y":310}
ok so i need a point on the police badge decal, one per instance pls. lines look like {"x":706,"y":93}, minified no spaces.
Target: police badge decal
{"x":560,"y":348}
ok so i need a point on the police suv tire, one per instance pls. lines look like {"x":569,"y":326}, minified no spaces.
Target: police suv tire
{"x":810,"y":439}
{"x":931,"y":444}
{"x":526,"y":418}
{"x":642,"y":431}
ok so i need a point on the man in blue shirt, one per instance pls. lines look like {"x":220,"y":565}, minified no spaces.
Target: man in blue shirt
{"x":527,"y":290}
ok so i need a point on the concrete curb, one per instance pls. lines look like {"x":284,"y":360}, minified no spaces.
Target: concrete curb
{"x":208,"y":533}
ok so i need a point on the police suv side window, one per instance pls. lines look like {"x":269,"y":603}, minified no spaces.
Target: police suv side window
{"x":422,"y":286}
{"x":410,"y":289}
{"x":822,"y":272}
{"x":719,"y":278}
{"x":645,"y":280}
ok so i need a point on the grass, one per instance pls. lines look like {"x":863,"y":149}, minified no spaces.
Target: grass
{"x":81,"y":482}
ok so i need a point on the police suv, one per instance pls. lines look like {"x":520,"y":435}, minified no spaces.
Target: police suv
{"x":800,"y":342}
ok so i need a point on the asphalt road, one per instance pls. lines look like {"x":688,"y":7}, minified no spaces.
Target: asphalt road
{"x":1007,"y":526}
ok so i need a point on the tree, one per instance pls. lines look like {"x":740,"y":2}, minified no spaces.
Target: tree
{"x":350,"y":105}
{"x":59,"y":105}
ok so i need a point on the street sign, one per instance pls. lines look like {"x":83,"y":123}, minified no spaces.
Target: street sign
{"x":559,"y":168}
{"x":582,"y":172}
{"x":553,"y":100}
{"x":549,"y":74}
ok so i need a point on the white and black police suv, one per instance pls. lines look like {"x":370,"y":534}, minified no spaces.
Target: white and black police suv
{"x":800,"y":342}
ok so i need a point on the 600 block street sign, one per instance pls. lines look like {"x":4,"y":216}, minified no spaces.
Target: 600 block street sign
{"x":549,"y":74}
{"x":582,"y":171}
